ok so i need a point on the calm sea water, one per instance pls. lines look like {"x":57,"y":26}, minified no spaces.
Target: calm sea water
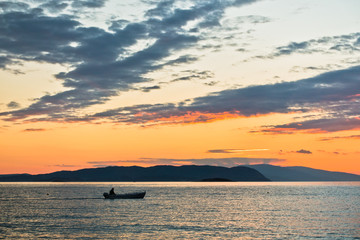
{"x":181,"y":210}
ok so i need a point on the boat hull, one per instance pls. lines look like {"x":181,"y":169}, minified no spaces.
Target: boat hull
{"x":135,"y":195}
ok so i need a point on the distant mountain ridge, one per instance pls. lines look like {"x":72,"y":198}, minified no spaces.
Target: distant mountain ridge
{"x":277,"y":173}
{"x":260,"y":172}
{"x":135,"y":173}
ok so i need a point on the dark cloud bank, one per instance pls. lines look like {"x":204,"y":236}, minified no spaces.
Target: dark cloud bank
{"x":102,"y":67}
{"x":336,"y":93}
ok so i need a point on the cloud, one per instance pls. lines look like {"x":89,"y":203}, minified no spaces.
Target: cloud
{"x":340,"y":137}
{"x":13,"y":104}
{"x":31,"y":36}
{"x":54,"y":6}
{"x":88,"y":3}
{"x":346,"y":46}
{"x":316,"y":126}
{"x":333,"y":44}
{"x":291,"y":48}
{"x":194,"y":75}
{"x":148,"y":89}
{"x":235,"y":150}
{"x":57,"y":6}
{"x":324,"y":68}
{"x":336,"y":152}
{"x":332,"y":97}
{"x":254,"y":19}
{"x":303,"y":151}
{"x":64,"y":166}
{"x":226,"y":162}
{"x":7,"y":6}
{"x":103,"y":64}
{"x":181,"y":60}
{"x":35,"y":130}
{"x":231,"y":32}
{"x":4,"y":61}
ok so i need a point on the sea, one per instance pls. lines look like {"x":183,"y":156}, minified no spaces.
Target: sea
{"x":181,"y":210}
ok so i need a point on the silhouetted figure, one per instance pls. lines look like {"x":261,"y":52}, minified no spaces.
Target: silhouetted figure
{"x":112,"y":192}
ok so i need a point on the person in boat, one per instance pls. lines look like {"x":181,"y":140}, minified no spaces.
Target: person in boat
{"x":112,"y":192}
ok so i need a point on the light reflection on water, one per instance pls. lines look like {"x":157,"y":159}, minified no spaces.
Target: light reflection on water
{"x":181,"y":210}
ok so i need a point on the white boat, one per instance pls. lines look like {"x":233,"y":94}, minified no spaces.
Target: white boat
{"x":125,"y":195}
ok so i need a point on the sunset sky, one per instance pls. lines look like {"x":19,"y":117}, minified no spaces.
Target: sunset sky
{"x":89,"y":83}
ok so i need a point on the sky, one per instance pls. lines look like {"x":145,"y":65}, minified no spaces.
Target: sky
{"x":93,"y":83}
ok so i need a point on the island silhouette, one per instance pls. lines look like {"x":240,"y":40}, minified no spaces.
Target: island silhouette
{"x":135,"y":173}
{"x":262,"y":172}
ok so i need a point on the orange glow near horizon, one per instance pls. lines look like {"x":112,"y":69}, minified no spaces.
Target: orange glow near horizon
{"x":141,"y":84}
{"x":49,"y":147}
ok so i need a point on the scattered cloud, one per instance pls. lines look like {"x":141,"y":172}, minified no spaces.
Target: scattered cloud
{"x":148,"y":89}
{"x":194,"y":75}
{"x":303,"y":151}
{"x":337,"y":152}
{"x":344,"y":46}
{"x":234,"y":32}
{"x":327,"y":67}
{"x":254,"y":19}
{"x":13,"y":104}
{"x":333,"y":44}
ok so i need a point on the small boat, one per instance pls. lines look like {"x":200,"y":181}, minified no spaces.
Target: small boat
{"x":125,"y":195}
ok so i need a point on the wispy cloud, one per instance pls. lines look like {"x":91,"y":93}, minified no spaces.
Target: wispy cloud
{"x":64,"y":165}
{"x":35,"y":130}
{"x":327,"y":45}
{"x":234,"y":150}
{"x":341,"y":123}
{"x":340,"y":137}
{"x":337,"y":152}
{"x":226,"y":162}
{"x":194,"y":75}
